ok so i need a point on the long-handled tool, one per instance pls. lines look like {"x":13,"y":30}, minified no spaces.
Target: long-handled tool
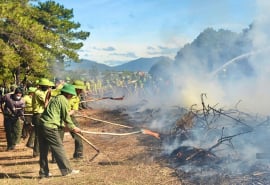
{"x":103,"y":98}
{"x":95,"y":119}
{"x":92,"y":145}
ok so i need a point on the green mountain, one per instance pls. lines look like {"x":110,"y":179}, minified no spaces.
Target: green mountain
{"x":211,"y":49}
{"x":85,"y":65}
{"x":208,"y":53}
{"x":141,"y":64}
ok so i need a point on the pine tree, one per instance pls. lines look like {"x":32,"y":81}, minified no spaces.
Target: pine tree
{"x":35,"y":36}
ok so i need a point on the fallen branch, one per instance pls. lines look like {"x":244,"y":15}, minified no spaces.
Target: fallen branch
{"x":227,"y":138}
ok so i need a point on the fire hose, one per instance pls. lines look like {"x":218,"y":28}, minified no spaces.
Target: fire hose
{"x":110,"y":133}
{"x":143,"y":131}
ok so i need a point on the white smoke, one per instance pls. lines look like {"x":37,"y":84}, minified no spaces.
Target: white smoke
{"x":190,"y":81}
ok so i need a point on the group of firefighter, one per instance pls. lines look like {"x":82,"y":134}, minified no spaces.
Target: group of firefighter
{"x":40,"y":114}
{"x":129,"y":83}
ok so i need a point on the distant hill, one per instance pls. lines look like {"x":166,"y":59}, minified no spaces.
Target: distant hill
{"x":208,"y":52}
{"x":141,"y":64}
{"x":86,"y":65}
{"x":212,"y":48}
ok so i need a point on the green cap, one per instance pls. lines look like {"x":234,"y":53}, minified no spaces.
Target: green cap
{"x":70,"y":89}
{"x":78,"y":84}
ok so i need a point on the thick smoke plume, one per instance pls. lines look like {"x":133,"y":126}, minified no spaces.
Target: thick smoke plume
{"x":248,"y":96}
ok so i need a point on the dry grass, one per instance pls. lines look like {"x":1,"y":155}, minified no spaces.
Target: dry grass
{"x":122,"y":161}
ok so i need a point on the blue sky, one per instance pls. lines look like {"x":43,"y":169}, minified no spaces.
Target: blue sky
{"x":124,"y":30}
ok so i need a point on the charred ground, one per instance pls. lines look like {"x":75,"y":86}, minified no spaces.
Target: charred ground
{"x":122,"y":160}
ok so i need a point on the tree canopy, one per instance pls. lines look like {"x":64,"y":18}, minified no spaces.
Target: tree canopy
{"x":34,"y":37}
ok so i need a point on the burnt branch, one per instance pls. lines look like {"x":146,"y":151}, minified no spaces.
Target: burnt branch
{"x":226,"y":138}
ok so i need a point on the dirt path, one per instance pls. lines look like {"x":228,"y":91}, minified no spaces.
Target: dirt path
{"x":123,"y":159}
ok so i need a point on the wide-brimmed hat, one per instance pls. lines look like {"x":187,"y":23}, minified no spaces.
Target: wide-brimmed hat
{"x":78,"y":84}
{"x":70,"y":89}
{"x":45,"y":82}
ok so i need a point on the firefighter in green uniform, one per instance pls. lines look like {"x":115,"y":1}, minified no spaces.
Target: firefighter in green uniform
{"x":12,"y":106}
{"x":59,"y":84}
{"x":54,"y":118}
{"x":28,"y":111}
{"x":39,"y":102}
{"x":74,"y":103}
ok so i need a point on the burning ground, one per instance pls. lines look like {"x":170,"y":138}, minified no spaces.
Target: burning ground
{"x":208,"y":144}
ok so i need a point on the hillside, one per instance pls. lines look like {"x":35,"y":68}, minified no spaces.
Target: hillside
{"x":85,"y":64}
{"x":141,"y":64}
{"x":213,"y":48}
{"x":209,"y":51}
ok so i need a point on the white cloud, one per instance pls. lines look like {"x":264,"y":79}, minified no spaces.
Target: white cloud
{"x":126,"y":50}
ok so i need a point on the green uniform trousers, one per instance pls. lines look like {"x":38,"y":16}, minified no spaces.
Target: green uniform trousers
{"x":28,"y":130}
{"x":36,"y":123}
{"x":49,"y":137}
{"x":78,"y":150}
{"x":62,"y":134}
{"x":13,"y":129}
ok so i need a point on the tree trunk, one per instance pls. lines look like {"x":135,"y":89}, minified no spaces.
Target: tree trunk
{"x":16,"y":75}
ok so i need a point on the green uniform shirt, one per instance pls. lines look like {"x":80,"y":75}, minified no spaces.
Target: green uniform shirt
{"x":56,"y":113}
{"x":28,"y":103}
{"x":38,"y":101}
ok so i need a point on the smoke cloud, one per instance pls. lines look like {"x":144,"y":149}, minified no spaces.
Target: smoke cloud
{"x":245,"y":98}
